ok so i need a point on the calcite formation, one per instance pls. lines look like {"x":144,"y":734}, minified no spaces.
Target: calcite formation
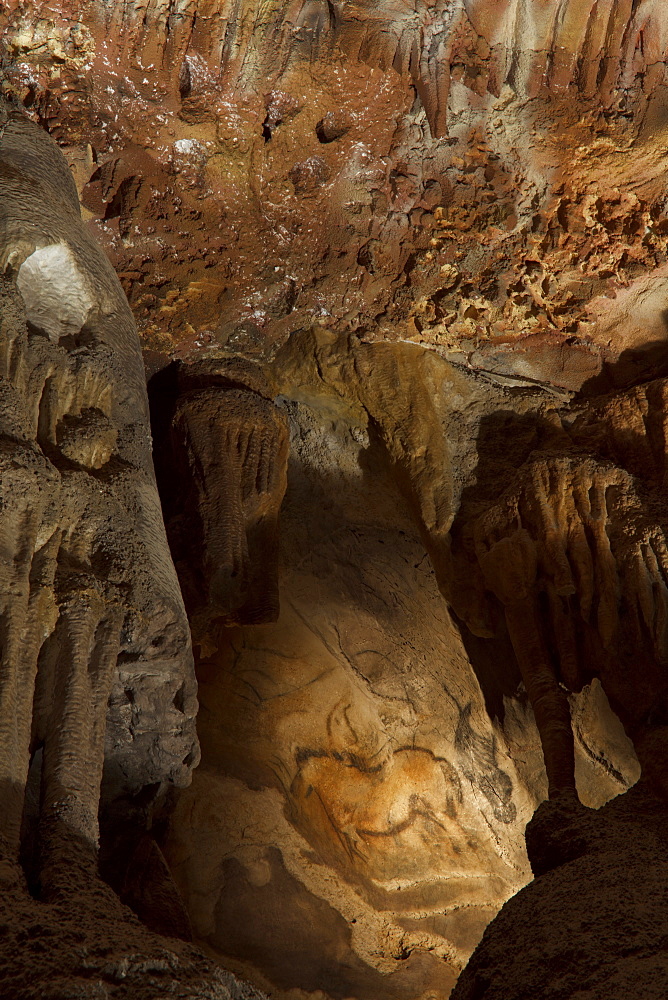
{"x":426,"y":244}
{"x":85,"y":623}
{"x":224,"y":474}
{"x":97,"y":689}
{"x":369,"y":762}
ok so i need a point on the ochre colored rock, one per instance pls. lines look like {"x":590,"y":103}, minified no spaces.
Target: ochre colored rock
{"x":484,"y":178}
{"x":369,"y":764}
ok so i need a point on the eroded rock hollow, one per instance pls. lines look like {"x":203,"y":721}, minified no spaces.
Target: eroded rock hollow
{"x":399,"y":272}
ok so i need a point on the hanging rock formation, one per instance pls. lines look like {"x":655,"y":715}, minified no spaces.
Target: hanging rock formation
{"x":571,"y":551}
{"x":224,"y":467}
{"x":574,"y":549}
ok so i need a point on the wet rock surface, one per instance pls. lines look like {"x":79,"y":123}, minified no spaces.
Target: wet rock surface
{"x":484,"y":179}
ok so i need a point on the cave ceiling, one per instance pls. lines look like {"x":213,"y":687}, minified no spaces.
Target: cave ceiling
{"x":485,"y":179}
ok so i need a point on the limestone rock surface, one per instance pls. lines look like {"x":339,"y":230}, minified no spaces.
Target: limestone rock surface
{"x":368,"y":764}
{"x":97,"y":688}
{"x":483,"y":178}
{"x":431,"y":239}
{"x":223,"y":465}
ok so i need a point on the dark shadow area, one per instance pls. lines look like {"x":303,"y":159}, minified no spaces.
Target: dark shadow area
{"x":278,"y":926}
{"x":505,"y":441}
{"x":595,"y":913}
{"x":162,"y":395}
{"x":494,"y":664}
{"x":634,"y":366}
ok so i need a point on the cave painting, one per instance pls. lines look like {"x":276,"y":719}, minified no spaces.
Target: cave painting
{"x":335,"y":750}
{"x":333,"y":797}
{"x":571,"y":552}
{"x":402,"y":811}
{"x":348,"y":755}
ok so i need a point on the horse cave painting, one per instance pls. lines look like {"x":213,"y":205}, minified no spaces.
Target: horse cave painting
{"x":333,"y":456}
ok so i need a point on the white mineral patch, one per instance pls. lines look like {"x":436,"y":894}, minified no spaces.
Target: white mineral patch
{"x":54,"y":291}
{"x":186,"y":145}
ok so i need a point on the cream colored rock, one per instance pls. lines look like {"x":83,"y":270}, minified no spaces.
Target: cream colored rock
{"x":54,"y":291}
{"x":91,"y":610}
{"x":359,"y":813}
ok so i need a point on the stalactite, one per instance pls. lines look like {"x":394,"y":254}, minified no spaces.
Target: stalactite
{"x":231,"y":444}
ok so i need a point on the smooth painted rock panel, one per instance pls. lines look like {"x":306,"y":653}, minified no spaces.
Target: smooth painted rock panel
{"x":358,"y":816}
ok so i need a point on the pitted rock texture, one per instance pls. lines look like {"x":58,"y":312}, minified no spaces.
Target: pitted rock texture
{"x":482,"y":178}
{"x":486,"y":181}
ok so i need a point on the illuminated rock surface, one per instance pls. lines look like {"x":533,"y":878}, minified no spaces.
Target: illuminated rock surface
{"x":427,"y":243}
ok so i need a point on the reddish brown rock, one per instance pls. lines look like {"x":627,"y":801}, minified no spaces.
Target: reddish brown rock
{"x":519,"y":144}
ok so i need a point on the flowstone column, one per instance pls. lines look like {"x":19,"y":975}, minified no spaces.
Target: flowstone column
{"x":96,"y":671}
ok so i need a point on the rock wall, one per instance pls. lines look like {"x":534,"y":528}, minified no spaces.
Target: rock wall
{"x":430,"y":240}
{"x":594,"y":919}
{"x":369,"y":764}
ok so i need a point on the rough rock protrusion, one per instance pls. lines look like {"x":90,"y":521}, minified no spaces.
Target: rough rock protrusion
{"x":574,"y":550}
{"x":593,"y":924}
{"x":97,"y":669}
